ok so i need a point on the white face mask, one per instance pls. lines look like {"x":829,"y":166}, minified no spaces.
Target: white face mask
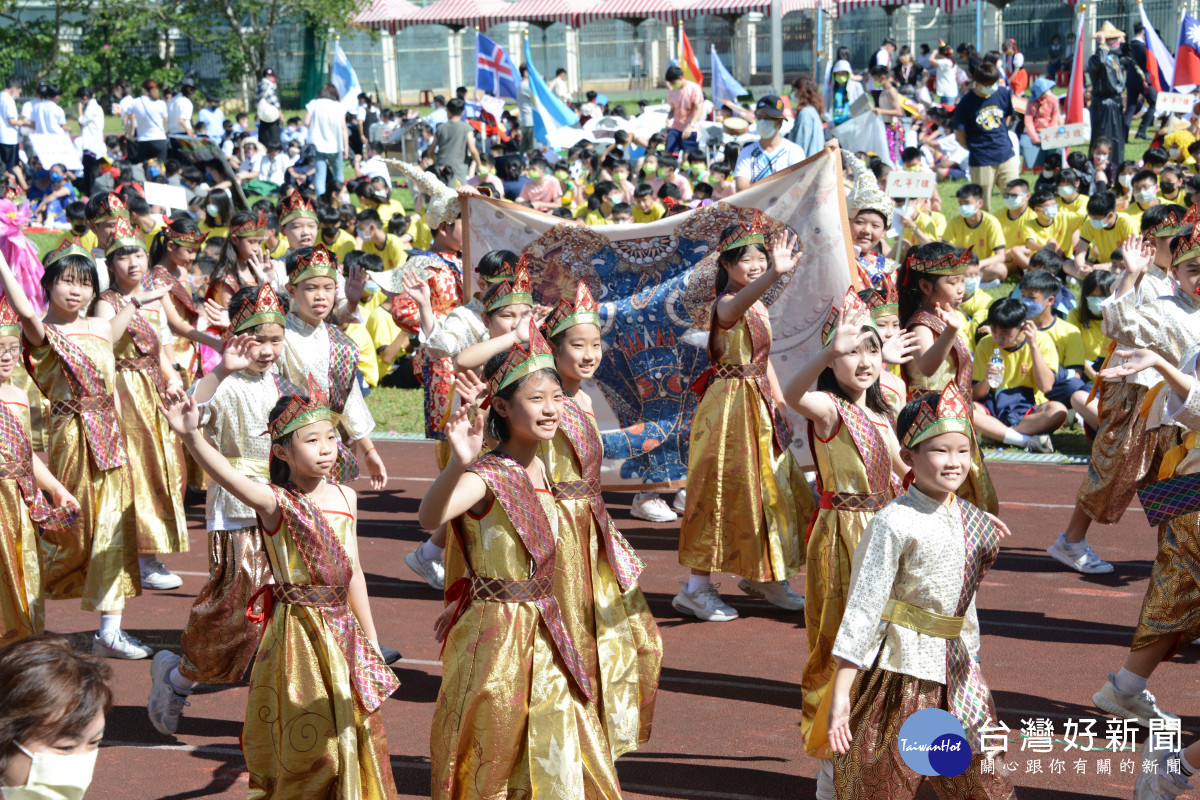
{"x":1125,"y":180}
{"x":1145,"y":195}
{"x":967,"y":210}
{"x":765,"y":128}
{"x":1175,"y":152}
{"x":1099,"y":224}
{"x":1014,"y":202}
{"x":54,"y":776}
{"x":970,"y":286}
{"x":1066,"y":191}
{"x":1050,"y":211}
{"x":987,"y":91}
{"x":212,"y":210}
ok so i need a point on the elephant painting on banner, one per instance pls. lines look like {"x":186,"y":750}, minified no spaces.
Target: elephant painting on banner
{"x":655,"y":285}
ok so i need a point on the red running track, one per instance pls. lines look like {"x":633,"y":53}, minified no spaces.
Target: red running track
{"x":727,"y":722}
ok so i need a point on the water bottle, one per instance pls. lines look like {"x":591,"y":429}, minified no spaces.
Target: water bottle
{"x":995,"y":373}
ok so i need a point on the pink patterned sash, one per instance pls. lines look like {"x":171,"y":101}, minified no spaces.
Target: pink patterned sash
{"x":870,"y":445}
{"x":144,"y":337}
{"x":963,"y":360}
{"x":16,"y":463}
{"x":343,"y":361}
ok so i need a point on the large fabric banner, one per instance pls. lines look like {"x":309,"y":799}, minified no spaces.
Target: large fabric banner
{"x":654,"y":284}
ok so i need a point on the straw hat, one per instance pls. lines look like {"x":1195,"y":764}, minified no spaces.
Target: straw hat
{"x":1109,"y":31}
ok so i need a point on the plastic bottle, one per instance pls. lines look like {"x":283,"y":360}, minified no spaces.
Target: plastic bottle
{"x":995,"y":369}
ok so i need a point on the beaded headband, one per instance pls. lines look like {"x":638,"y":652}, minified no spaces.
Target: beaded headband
{"x":300,"y":411}
{"x":511,"y":292}
{"x":884,"y":301}
{"x":194,"y":239}
{"x":522,"y":360}
{"x":1187,"y":244}
{"x":255,"y":226}
{"x":68,"y":247}
{"x":754,"y":233}
{"x":852,"y":307}
{"x":295,"y":206}
{"x":320,"y":263}
{"x":9,"y":324}
{"x":111,"y":206}
{"x":949,"y":414}
{"x":265,"y":310}
{"x":124,"y":236}
{"x":1170,"y":225}
{"x":567,"y":315}
{"x":950,"y":264}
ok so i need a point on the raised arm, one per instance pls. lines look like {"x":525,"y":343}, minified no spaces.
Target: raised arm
{"x":184,"y":418}
{"x":235,"y":358}
{"x":935,"y":352}
{"x":31,"y":323}
{"x":818,"y":406}
{"x":119,"y":320}
{"x":456,"y":491}
{"x":732,"y":307}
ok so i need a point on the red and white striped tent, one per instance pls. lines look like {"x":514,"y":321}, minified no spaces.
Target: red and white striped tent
{"x":547,"y":12}
{"x":387,"y":15}
{"x":739,"y":7}
{"x":460,"y":13}
{"x":637,"y":10}
{"x":949,"y":6}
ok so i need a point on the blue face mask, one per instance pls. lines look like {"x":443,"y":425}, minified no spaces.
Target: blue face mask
{"x":153,"y":172}
{"x":971,"y":286}
{"x":41,"y":174}
{"x":1033,"y":307}
{"x":1093,"y":304}
{"x":55,"y":177}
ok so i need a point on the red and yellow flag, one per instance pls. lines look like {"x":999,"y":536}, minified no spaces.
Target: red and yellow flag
{"x":687,"y":59}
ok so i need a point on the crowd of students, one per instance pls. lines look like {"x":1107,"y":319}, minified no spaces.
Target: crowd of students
{"x":148,"y":352}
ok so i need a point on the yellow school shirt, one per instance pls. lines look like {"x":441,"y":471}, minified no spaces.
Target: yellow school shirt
{"x":1095,"y":343}
{"x":1068,"y":343}
{"x":366,"y":307}
{"x":383,"y":331}
{"x":88,"y":241}
{"x":342,"y":243}
{"x":1015,"y":229}
{"x":1136,"y":210}
{"x":656,"y":212}
{"x":1076,"y":206}
{"x":1061,"y":231}
{"x":419,"y":232}
{"x":1102,"y":242}
{"x":368,"y":364}
{"x":932,"y":224}
{"x":149,"y":237}
{"x":1018,"y":364}
{"x":281,"y":248}
{"x":979,"y":301}
{"x":392,"y":252}
{"x":218,"y":230}
{"x":389,"y":209}
{"x":987,"y":236}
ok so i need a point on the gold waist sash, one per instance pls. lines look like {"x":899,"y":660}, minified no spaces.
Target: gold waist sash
{"x":920,"y":620}
{"x":252,"y":467}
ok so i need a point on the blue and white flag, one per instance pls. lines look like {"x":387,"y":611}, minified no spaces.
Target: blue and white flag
{"x":344,"y":78}
{"x":724,"y":85}
{"x":549,"y":113}
{"x":495,"y":73}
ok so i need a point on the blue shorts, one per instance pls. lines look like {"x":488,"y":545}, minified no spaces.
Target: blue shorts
{"x":1009,"y":405}
{"x":675,"y":141}
{"x":1066,"y":383}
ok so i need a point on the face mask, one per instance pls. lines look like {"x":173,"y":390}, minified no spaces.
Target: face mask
{"x":53,"y":776}
{"x":661,"y":172}
{"x":987,"y":91}
{"x":715,"y":180}
{"x":1099,"y":224}
{"x":364,"y":235}
{"x":370,"y":287}
{"x":56,"y":178}
{"x":615,"y":197}
{"x":841,"y":79}
{"x":329,"y":233}
{"x":1032,"y":307}
{"x":212,"y":210}
{"x":971,"y":285}
{"x":620,"y":176}
{"x":1014,"y":202}
{"x":1093,"y":304}
{"x":913,"y":168}
{"x":1099,"y":159}
{"x":485,"y":171}
{"x":765,"y":128}
{"x":1174,"y":152}
{"x":561,"y":174}
{"x":966,"y":210}
{"x":534,"y":175}
{"x":1145,"y":195}
{"x":1066,"y":192}
{"x":1125,"y":180}
{"x":1169,"y":188}
{"x":1050,"y":211}
{"x":79,"y":230}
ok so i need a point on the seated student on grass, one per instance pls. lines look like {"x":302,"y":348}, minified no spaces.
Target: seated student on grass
{"x":974,"y":227}
{"x":1170,"y":185}
{"x":1144,"y":194}
{"x":645,"y":207}
{"x":1101,"y":232}
{"x":1051,"y":227}
{"x":1070,"y":192}
{"x":1029,"y":364}
{"x":622,"y":214}
{"x":1039,"y":292}
{"x":1014,"y":221}
{"x":975,"y":302}
{"x":377,"y":241}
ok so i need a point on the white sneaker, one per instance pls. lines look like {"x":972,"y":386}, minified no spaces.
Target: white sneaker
{"x":119,"y":645}
{"x":1159,"y":784}
{"x":157,"y":576}
{"x":431,"y":570}
{"x":704,"y":603}
{"x":680,"y":501}
{"x":777,"y":593}
{"x":1139,"y":706}
{"x":1079,"y":556}
{"x":1040,"y":444}
{"x":652,"y":508}
{"x":166,"y":703}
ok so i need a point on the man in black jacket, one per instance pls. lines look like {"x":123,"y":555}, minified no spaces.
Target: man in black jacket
{"x":1138,"y":85}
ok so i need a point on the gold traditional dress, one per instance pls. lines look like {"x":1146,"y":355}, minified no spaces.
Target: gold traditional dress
{"x":154,"y":451}
{"x":596,"y":586}
{"x":978,"y":487}
{"x":747,"y":499}
{"x":39,"y":408}
{"x":187,"y":353}
{"x":313,"y":727}
{"x":518,"y":715}
{"x":854,"y":473}
{"x":96,"y":558}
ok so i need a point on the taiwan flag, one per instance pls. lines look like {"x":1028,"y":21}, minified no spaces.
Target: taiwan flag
{"x":1187,"y":55}
{"x":495,"y":73}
